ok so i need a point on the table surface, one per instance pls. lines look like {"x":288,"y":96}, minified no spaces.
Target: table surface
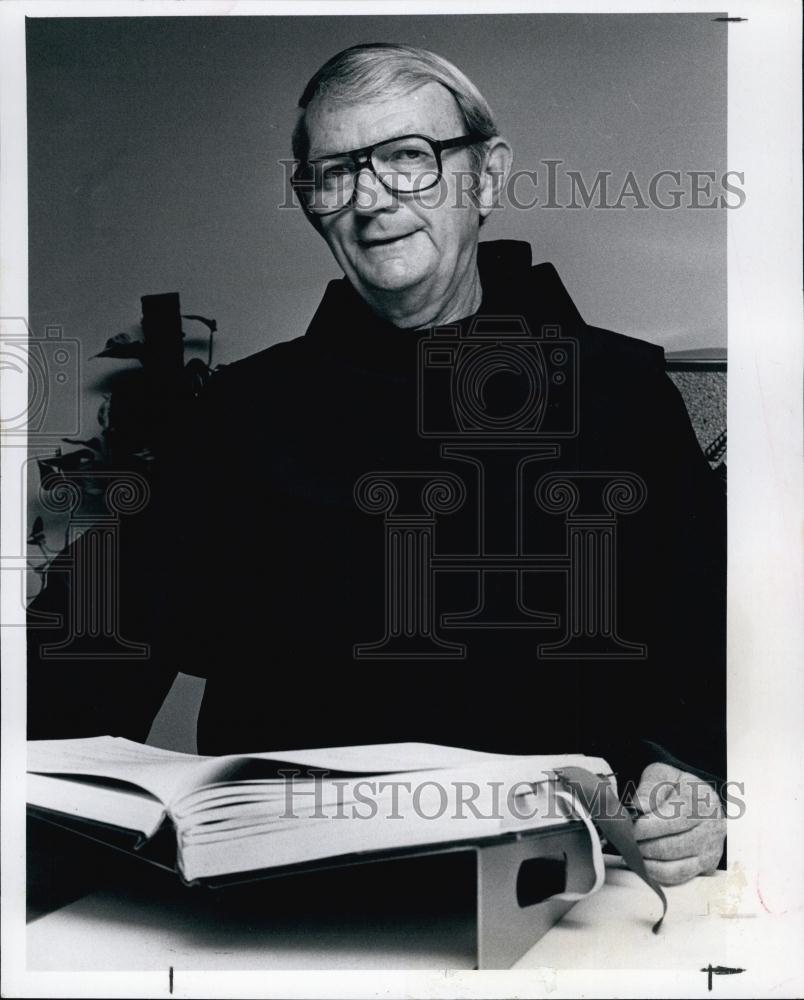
{"x":152,"y":922}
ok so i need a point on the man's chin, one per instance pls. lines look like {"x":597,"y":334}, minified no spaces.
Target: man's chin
{"x":393,"y":275}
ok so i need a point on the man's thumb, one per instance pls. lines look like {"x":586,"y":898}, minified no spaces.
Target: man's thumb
{"x":657,"y":782}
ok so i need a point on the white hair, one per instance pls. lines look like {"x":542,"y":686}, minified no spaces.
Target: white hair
{"x":380,"y":70}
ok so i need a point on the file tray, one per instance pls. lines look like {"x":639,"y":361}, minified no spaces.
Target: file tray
{"x":518,"y":881}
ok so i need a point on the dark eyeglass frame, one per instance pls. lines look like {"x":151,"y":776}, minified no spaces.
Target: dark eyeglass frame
{"x":362,"y":160}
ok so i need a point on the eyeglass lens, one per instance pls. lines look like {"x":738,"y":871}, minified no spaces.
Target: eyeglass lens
{"x":404,"y":166}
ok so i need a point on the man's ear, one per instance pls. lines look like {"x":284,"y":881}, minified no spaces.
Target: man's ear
{"x":493,"y":174}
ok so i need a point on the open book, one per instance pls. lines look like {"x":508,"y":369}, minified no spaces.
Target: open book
{"x":242,"y":814}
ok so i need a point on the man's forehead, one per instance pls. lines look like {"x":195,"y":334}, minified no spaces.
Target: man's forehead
{"x":336,"y":125}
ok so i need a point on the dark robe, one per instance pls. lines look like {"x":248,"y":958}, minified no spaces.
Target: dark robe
{"x":270,"y":564}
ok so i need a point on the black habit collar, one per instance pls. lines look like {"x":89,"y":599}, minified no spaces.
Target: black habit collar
{"x":346,"y":327}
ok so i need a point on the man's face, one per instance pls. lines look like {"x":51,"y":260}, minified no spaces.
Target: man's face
{"x":391,"y":246}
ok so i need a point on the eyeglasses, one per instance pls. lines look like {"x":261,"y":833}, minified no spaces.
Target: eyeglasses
{"x":404,"y":165}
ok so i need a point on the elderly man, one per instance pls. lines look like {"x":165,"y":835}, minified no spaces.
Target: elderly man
{"x":452,"y":511}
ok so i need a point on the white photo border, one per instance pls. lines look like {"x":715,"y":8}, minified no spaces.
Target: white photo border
{"x":765,"y":682}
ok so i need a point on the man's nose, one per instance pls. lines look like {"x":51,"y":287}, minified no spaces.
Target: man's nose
{"x":370,"y":193}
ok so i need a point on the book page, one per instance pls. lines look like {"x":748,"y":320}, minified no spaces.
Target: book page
{"x":383,"y":758}
{"x":407,"y":809}
{"x":375,"y":758}
{"x":163,"y":773}
{"x":99,"y":803}
{"x":228,"y":805}
{"x":169,"y":775}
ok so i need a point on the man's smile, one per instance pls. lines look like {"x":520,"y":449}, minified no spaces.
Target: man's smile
{"x":384,"y":241}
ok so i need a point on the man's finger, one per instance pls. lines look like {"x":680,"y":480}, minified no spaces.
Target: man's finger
{"x":673,"y":872}
{"x":658,"y":781}
{"x":668,"y":821}
{"x":673,"y":848}
{"x":710,"y":858}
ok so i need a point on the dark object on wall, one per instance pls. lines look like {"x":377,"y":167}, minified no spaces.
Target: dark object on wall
{"x":146,"y":404}
{"x":162,"y":332}
{"x":141,"y":419}
{"x":137,"y":416}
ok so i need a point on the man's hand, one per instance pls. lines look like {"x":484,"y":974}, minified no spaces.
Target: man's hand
{"x":680,"y":825}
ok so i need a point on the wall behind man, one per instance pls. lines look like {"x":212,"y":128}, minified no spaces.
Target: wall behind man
{"x":154,"y":146}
